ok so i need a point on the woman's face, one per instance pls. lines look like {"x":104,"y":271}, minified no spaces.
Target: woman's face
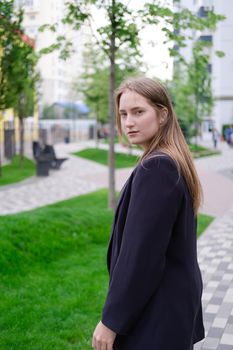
{"x":139,"y":120}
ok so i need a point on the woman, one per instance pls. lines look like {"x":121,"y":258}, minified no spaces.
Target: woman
{"x":154,"y":296}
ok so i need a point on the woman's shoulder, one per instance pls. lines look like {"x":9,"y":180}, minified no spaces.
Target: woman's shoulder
{"x":159,"y":168}
{"x":158,"y":160}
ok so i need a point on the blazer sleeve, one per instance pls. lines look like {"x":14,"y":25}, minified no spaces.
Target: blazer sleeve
{"x":155,"y":199}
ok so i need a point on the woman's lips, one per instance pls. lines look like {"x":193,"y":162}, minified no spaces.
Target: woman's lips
{"x":130,"y":133}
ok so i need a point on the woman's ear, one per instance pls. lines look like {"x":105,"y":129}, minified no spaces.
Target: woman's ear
{"x":163,"y":116}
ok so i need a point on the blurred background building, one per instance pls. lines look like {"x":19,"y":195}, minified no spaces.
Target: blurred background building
{"x":220,"y":68}
{"x":57,"y":75}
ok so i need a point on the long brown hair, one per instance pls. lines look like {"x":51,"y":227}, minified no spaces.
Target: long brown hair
{"x":169,"y":139}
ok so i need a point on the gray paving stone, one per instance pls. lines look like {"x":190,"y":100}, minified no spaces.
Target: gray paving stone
{"x":216,"y":301}
{"x":224,"y":347}
{"x":198,"y":345}
{"x":219,"y":294}
{"x":229,"y":329}
{"x":211,"y":343}
{"x":230,"y":320}
{"x":209,"y":317}
{"x":227,"y":339}
{"x":68,"y":182}
{"x":215,"y":332}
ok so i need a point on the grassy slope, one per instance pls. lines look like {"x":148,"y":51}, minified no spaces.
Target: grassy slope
{"x":101,"y":156}
{"x":12,"y":173}
{"x":125,"y":160}
{"x":200,"y":151}
{"x":53,"y":274}
{"x":203,"y":222}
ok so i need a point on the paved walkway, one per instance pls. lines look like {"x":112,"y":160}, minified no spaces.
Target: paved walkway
{"x":215,"y":255}
{"x":215,"y":248}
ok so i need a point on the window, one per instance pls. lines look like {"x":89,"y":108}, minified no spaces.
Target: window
{"x":206,"y":38}
{"x":203,"y":11}
{"x":28,"y":3}
{"x":209,"y":68}
{"x":32,"y":29}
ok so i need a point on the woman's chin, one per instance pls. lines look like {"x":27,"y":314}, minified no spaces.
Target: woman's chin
{"x":134,"y":142}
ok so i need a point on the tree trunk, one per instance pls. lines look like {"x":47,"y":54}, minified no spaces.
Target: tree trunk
{"x":21,"y":141}
{"x":96,"y":126}
{"x":111,"y":153}
{"x":0,"y":152}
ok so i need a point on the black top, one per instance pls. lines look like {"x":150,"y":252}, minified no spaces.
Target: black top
{"x":154,"y":296}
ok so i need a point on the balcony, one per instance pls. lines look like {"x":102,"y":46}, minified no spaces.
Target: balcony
{"x":30,"y":6}
{"x":206,"y":38}
{"x":209,"y":68}
{"x":203,"y":11}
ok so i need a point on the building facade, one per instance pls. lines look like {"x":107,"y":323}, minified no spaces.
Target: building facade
{"x":220,"y":68}
{"x":57,"y":75}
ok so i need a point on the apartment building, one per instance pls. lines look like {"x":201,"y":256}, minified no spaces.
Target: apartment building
{"x":220,"y":68}
{"x":57,"y":76}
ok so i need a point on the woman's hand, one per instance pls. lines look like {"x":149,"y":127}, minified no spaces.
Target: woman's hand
{"x":103,"y":337}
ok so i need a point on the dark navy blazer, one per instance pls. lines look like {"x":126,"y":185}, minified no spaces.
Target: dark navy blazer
{"x":154,"y":296}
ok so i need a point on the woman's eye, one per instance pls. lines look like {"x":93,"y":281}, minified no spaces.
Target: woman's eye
{"x":139,"y":112}
{"x":123,"y":115}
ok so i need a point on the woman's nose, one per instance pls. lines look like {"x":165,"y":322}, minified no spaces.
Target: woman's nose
{"x":129,"y":121}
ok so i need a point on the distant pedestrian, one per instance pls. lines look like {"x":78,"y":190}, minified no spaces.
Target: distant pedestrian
{"x":229,"y":135}
{"x":154,"y":295}
{"x":215,"y":137}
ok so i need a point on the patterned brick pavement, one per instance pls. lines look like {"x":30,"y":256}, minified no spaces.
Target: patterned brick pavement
{"x":215,"y":254}
{"x":215,"y":247}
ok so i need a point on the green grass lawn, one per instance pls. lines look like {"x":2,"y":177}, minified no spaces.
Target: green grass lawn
{"x":126,"y":161}
{"x":196,"y":150}
{"x":200,"y":151}
{"x":53,"y":274}
{"x":203,"y":222}
{"x":12,"y":173}
{"x":101,"y":156}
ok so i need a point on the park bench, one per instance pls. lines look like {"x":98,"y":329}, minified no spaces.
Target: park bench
{"x":45,"y":158}
{"x":55,"y":162}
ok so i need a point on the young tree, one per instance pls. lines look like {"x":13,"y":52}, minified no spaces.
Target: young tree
{"x":191,"y":88}
{"x":23,"y":79}
{"x":8,"y":35}
{"x":94,"y":82}
{"x":122,"y":32}
{"x":49,"y":112}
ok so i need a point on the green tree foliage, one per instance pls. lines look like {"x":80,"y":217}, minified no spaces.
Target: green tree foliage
{"x":121,"y":32}
{"x":95,"y":90}
{"x":200,"y":82}
{"x":94,"y":82}
{"x":17,"y":67}
{"x":49,"y":112}
{"x":8,"y":34}
{"x":182,"y":95}
{"x":192,"y":89}
{"x":175,"y":23}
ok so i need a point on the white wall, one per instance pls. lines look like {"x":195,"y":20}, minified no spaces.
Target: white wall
{"x":222,"y":68}
{"x":57,"y":75}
